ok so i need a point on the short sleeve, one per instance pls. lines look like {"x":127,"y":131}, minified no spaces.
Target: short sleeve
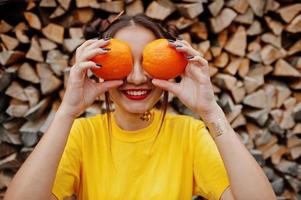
{"x":67,"y":178}
{"x":210,"y":174}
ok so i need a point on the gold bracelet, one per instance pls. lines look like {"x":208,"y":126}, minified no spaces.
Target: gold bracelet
{"x":217,"y":128}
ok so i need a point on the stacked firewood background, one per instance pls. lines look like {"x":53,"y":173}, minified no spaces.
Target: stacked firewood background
{"x":253,"y":47}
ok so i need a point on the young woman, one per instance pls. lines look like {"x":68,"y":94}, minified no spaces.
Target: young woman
{"x":137,"y":152}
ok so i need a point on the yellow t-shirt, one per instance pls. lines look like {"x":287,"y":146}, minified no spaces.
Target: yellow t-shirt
{"x":184,"y":162}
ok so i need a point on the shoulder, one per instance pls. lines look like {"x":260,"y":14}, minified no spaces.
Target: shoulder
{"x":184,"y":120}
{"x":85,"y":122}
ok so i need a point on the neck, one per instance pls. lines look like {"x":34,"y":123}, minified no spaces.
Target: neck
{"x":130,"y":121}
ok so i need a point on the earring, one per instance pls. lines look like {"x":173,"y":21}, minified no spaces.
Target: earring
{"x":146,"y":116}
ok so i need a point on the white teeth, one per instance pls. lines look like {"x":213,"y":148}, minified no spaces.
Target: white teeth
{"x":136,"y":93}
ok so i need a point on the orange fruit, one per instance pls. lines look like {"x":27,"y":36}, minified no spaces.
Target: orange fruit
{"x":162,"y":61}
{"x":116,"y":63}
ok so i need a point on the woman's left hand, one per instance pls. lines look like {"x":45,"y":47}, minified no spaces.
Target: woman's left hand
{"x":195,"y":89}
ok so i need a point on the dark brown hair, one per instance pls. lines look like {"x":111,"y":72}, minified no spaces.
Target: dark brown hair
{"x":160,"y":31}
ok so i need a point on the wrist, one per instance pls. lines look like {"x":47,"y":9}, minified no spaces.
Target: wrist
{"x":212,"y":113}
{"x":66,"y":113}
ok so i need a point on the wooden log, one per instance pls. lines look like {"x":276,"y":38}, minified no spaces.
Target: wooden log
{"x":254,"y":29}
{"x":223,"y":20}
{"x":288,"y":12}
{"x":5,"y":27}
{"x":283,"y":68}
{"x":26,"y":72}
{"x":287,"y":121}
{"x":10,"y":162}
{"x":49,"y":82}
{"x":295,"y":25}
{"x":54,"y":32}
{"x":109,"y":6}
{"x":222,"y":60}
{"x":246,"y":18}
{"x":35,"y":51}
{"x":257,"y":7}
{"x":76,"y":33}
{"x":30,"y":130}
{"x":239,"y":6}
{"x":20,"y":31}
{"x":58,"y":61}
{"x":274,"y":25}
{"x":269,"y":54}
{"x":9,"y":42}
{"x":160,"y":10}
{"x":17,"y":108}
{"x":5,"y":80}
{"x":259,"y":116}
{"x":46,"y":44}
{"x":256,"y":99}
{"x":253,"y":82}
{"x":238,"y":92}
{"x":59,"y":11}
{"x":10,"y":57}
{"x":199,"y":29}
{"x":134,"y":8}
{"x":224,"y":81}
{"x":84,"y":3}
{"x":272,"y":39}
{"x":282,"y":93}
{"x":15,"y":90}
{"x":233,"y":66}
{"x":295,"y":48}
{"x":36,"y":111}
{"x":239,"y":121}
{"x":33,"y":20}
{"x":271,"y":5}
{"x":50,"y":117}
{"x":82,"y":16}
{"x":65,"y":4}
{"x":191,"y":10}
{"x":33,"y":95}
{"x":71,"y":44}
{"x":276,"y":157}
{"x":215,"y":7}
{"x":238,"y":42}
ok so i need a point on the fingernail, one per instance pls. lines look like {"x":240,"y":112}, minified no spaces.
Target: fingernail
{"x":98,"y":65}
{"x":171,"y":40}
{"x":190,"y":57}
{"x":178,"y":45}
{"x":106,"y":49}
{"x":107,"y":38}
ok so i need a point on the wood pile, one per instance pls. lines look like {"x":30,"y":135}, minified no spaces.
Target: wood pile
{"x":253,"y":48}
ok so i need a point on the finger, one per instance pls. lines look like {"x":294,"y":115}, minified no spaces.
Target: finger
{"x":93,"y":52}
{"x":106,"y":85}
{"x":184,"y":48}
{"x":98,"y":43}
{"x":80,"y":69}
{"x":198,"y":59}
{"x":84,"y":45}
{"x":180,"y":40}
{"x":166,"y":85}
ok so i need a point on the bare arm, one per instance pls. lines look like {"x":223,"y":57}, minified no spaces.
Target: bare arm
{"x":247,"y":179}
{"x":35,"y":178}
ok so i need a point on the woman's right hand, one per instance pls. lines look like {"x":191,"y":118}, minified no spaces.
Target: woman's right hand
{"x":82,"y":91}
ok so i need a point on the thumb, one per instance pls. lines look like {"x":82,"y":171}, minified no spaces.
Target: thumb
{"x":166,"y":85}
{"x":106,"y":85}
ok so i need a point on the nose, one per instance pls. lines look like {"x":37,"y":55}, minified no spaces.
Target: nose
{"x":138,"y":75}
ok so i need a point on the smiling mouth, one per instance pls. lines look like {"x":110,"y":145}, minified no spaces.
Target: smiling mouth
{"x":136,"y":94}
